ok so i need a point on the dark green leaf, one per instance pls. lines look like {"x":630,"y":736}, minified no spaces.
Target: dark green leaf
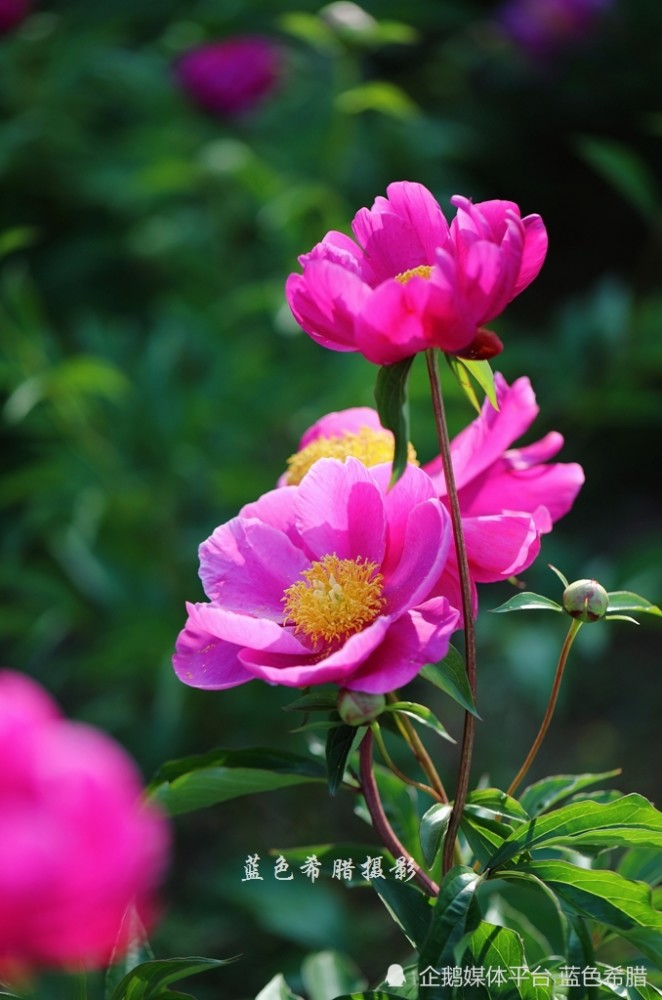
{"x":643,"y":864}
{"x":491,"y":947}
{"x":191,"y":783}
{"x":320,"y":699}
{"x":451,"y":676}
{"x":449,"y":917}
{"x":340,"y":743}
{"x":150,"y":980}
{"x":625,"y":600}
{"x":497,"y":804}
{"x":484,"y":836}
{"x":432,"y":829}
{"x":538,"y":797}
{"x":528,"y":602}
{"x":627,"y":822}
{"x":421,"y":714}
{"x":393,"y":410}
{"x":408,"y":906}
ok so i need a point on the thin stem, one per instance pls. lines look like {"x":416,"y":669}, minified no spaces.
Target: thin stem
{"x":379,"y":820}
{"x":409,"y":733}
{"x":392,"y":766}
{"x":560,"y":667}
{"x":466,"y":752}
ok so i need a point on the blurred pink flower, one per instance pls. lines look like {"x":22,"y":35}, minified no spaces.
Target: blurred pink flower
{"x":541,"y":27}
{"x":12,"y":12}
{"x":411,"y":281}
{"x":508,"y":497}
{"x":77,"y":847}
{"x":231,"y":77}
{"x":325,"y":582}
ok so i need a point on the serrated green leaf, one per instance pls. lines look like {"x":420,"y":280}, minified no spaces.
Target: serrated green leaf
{"x":449,"y":917}
{"x":408,"y":906}
{"x":421,"y":714}
{"x":627,"y":822}
{"x":203,"y":780}
{"x":432,"y":829}
{"x":393,"y":409}
{"x":528,"y":602}
{"x":539,"y":796}
{"x":149,"y":981}
{"x":340,"y":743}
{"x":625,"y":600}
{"x":450,"y":676}
{"x":327,"y":973}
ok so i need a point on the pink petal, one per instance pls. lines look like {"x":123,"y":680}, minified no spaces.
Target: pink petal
{"x":243,"y":630}
{"x":275,"y":508}
{"x":202,"y":661}
{"x":325,"y":301}
{"x":533,"y":255}
{"x":420,"y":636}
{"x":427,"y":542}
{"x":339,"y":510}
{"x":342,"y":422}
{"x":247,"y":565}
{"x":503,"y":488}
{"x":500,"y":546}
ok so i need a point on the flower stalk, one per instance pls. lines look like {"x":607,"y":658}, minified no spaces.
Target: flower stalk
{"x":379,"y":819}
{"x":466,"y":752}
{"x":575,"y":625}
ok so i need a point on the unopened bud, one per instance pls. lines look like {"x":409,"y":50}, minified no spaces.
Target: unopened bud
{"x":586,"y":600}
{"x":357,"y":707}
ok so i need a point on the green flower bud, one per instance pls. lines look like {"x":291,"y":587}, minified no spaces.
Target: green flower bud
{"x":586,"y":600}
{"x":356,"y":708}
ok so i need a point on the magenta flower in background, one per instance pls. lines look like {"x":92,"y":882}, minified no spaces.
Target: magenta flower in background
{"x":508,"y":497}
{"x":411,"y":281}
{"x":12,"y":12}
{"x":541,"y":27}
{"x":231,"y":77}
{"x":77,"y":846}
{"x":325,"y":582}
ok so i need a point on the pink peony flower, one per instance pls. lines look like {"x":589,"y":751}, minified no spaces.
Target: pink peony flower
{"x":12,"y":12}
{"x":508,"y":497}
{"x":411,"y":281}
{"x":232,"y":77}
{"x":77,"y":847}
{"x":325,"y":582}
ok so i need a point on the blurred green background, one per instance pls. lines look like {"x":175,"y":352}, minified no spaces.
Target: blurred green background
{"x":152,"y":381}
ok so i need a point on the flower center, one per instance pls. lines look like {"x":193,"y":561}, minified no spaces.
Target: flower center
{"x":335,"y":598}
{"x":422,"y":271}
{"x":369,"y":446}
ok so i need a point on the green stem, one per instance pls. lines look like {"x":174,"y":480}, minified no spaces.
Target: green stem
{"x":466,"y":752}
{"x":392,"y":766}
{"x":575,"y":625}
{"x":410,"y":735}
{"x":379,"y":820}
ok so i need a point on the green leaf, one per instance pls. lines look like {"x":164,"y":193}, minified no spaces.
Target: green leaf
{"x":393,"y":410}
{"x":642,"y":864}
{"x":497,"y":804}
{"x":484,"y":836}
{"x":624,"y":169}
{"x":408,"y":906}
{"x":613,"y":986}
{"x":604,"y":896}
{"x":432,"y":829}
{"x":321,"y":699}
{"x":181,"y":786}
{"x":277,"y":989}
{"x":17,"y":238}
{"x":150,"y":980}
{"x":538,"y":797}
{"x":328,"y":973}
{"x":629,"y":821}
{"x":340,"y":743}
{"x":421,"y":714}
{"x":493,"y":947}
{"x":461,"y":373}
{"x":528,"y":602}
{"x":625,"y":600}
{"x":377,"y":95}
{"x":483,"y":374}
{"x":370,"y":995}
{"x":450,"y":676}
{"x":449,"y":917}
{"x":123,"y":960}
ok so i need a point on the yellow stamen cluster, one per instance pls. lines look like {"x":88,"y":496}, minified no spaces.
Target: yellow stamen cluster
{"x":422,"y":271}
{"x":335,"y":598}
{"x":370,"y":447}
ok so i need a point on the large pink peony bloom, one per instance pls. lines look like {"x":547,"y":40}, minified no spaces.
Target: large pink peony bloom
{"x":325,"y":582}
{"x":411,"y":281}
{"x":508,"y":497}
{"x":76,"y":845}
{"x":231,"y":77}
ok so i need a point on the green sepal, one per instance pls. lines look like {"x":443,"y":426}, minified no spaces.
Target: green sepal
{"x":528,"y":602}
{"x":450,"y":676}
{"x":393,"y":409}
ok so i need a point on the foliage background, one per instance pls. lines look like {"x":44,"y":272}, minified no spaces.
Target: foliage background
{"x":152,"y":381}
